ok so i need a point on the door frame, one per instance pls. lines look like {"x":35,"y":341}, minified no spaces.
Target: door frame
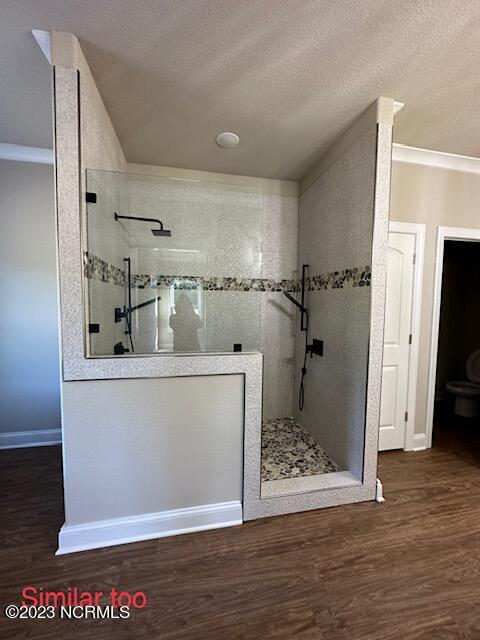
{"x":418,"y":230}
{"x":443,"y":233}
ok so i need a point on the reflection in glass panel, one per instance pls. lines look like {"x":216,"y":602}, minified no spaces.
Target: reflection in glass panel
{"x":172,"y":265}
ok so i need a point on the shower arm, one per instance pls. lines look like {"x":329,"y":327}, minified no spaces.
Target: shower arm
{"x":145,"y":304}
{"x":122,"y":313}
{"x":159,"y":222}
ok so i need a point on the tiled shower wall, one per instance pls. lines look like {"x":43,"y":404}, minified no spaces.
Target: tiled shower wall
{"x":279,"y":317}
{"x":218,"y":232}
{"x":335,"y":237}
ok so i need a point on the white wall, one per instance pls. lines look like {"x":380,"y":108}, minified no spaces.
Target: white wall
{"x":29,"y":368}
{"x":434,"y":197}
{"x":149,"y":445}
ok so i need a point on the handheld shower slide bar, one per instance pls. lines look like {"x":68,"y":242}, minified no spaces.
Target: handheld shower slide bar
{"x":303,"y":327}
{"x":317,"y":345}
{"x":300,"y":305}
{"x":126,"y":311}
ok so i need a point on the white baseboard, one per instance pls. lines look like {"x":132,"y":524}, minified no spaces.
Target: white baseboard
{"x":419,"y":441}
{"x":106,"y":533}
{"x":38,"y":438}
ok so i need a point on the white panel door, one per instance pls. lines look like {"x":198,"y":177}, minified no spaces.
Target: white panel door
{"x":396,"y":354}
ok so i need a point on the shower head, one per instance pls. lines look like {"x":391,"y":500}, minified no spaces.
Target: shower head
{"x":162,"y":232}
{"x":156,"y":232}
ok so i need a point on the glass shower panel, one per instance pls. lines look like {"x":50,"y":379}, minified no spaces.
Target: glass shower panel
{"x":195,"y":289}
{"x":104,"y":266}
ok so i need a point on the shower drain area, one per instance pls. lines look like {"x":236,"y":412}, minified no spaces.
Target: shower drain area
{"x":290,"y":451}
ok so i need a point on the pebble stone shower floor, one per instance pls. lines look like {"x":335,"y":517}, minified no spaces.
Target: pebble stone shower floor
{"x":290,"y":451}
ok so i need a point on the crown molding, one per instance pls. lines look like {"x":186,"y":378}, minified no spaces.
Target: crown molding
{"x":25,"y":154}
{"x":401,"y":153}
{"x":438,"y":159}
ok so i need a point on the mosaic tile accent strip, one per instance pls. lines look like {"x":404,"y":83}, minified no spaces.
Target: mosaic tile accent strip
{"x":213,"y":284}
{"x":354,"y":277}
{"x":290,"y":451}
{"x":97,"y":269}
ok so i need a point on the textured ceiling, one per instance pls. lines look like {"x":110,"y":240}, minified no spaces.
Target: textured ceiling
{"x":286,"y":75}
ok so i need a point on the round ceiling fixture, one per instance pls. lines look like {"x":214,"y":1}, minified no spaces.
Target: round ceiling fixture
{"x":227,"y":140}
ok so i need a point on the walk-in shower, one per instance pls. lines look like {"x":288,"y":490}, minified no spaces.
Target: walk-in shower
{"x":243,"y":270}
{"x":184,"y":394}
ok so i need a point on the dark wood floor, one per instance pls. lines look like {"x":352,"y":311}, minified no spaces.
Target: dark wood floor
{"x":409,"y":568}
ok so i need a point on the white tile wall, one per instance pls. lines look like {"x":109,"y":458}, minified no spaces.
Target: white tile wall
{"x":216,"y":229}
{"x":232,"y":317}
{"x":278,"y":341}
{"x":335,"y":232}
{"x":279,"y":261}
{"x":279,"y":232}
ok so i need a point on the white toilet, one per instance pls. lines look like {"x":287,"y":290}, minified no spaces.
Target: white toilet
{"x":467,"y":392}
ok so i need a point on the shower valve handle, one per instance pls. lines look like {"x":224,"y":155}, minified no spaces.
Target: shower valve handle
{"x":315,"y":348}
